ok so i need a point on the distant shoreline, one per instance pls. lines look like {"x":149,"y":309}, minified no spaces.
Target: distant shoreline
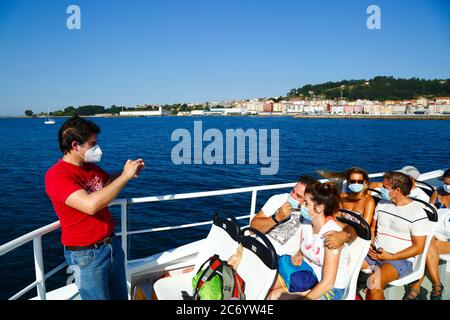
{"x":377,"y":117}
{"x":328,"y":116}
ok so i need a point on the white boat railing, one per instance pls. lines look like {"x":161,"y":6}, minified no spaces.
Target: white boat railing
{"x":36,"y":235}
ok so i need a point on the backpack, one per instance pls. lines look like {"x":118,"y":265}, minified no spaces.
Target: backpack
{"x":218,"y":281}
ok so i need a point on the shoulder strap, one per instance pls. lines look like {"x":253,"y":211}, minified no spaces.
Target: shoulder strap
{"x":215,"y":264}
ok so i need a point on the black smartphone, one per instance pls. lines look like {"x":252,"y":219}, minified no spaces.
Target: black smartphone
{"x":374,"y":248}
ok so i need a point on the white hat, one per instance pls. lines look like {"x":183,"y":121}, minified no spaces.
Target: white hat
{"x":410,"y":171}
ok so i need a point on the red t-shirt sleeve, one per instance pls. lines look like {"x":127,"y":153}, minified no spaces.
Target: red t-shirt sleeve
{"x":60,"y":186}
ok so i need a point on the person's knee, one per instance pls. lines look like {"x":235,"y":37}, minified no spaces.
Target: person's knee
{"x":375,"y":293}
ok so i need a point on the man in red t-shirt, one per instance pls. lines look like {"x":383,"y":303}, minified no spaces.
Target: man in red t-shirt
{"x":81,"y":192}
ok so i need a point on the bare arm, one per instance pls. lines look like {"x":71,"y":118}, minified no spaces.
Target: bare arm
{"x":369,"y":210}
{"x":264,"y":223}
{"x":434,"y":197}
{"x":336,"y":239}
{"x":418,"y":244}
{"x":329,"y":273}
{"x":113,"y":177}
{"x":373,"y":230}
{"x":91,"y":203}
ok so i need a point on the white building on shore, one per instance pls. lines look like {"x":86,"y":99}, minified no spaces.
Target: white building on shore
{"x":145,"y":113}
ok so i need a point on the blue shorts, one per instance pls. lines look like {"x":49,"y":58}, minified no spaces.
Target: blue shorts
{"x":403,"y":267}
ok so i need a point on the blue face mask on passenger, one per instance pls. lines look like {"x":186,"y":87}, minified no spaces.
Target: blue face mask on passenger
{"x":355,"y":187}
{"x":446,"y":187}
{"x":385,"y":194}
{"x":294,"y":203}
{"x":304,"y":212}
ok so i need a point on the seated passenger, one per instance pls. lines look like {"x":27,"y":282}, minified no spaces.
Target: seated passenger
{"x":357,"y":197}
{"x":439,"y":245}
{"x":279,"y":218}
{"x":441,"y":197}
{"x":315,"y":272}
{"x":413,"y":173}
{"x":399,"y":229}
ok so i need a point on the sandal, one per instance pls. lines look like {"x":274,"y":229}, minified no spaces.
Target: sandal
{"x":436,"y":293}
{"x":414,"y":294}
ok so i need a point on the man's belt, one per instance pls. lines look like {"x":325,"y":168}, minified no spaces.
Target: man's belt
{"x":107,"y":240}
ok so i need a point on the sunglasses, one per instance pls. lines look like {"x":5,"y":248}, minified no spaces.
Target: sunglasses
{"x":356,"y":181}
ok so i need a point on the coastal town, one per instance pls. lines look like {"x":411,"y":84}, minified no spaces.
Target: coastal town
{"x":380,"y":97}
{"x":298,"y":106}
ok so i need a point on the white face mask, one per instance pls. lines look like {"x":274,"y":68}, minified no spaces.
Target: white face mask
{"x":93,"y":154}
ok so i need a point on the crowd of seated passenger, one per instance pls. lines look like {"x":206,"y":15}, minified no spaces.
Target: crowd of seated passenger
{"x":312,"y":244}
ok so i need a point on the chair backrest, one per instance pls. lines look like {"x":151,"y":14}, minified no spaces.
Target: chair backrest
{"x":358,"y":250}
{"x":427,"y":188}
{"x":222,"y":239}
{"x":419,"y":263}
{"x":259,"y":264}
{"x":429,"y":209}
{"x":357,"y":221}
{"x":376,"y":195}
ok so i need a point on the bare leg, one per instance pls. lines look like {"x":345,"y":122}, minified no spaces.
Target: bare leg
{"x":235,"y":259}
{"x":431,"y":265}
{"x":433,"y":262}
{"x":277,"y":290}
{"x":379,"y":280}
{"x":365,"y":265}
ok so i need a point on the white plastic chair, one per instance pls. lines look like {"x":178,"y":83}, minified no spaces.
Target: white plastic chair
{"x":418,"y":267}
{"x":358,"y":249}
{"x":222,"y":240}
{"x":259,"y":264}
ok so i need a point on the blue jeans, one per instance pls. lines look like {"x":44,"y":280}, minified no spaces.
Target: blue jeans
{"x":100,"y":273}
{"x":333,"y":294}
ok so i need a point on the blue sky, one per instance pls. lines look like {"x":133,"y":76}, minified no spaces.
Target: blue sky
{"x":136,"y":52}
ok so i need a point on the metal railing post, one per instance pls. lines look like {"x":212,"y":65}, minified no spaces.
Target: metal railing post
{"x":123,"y":215}
{"x":39,"y":268}
{"x":253,"y":206}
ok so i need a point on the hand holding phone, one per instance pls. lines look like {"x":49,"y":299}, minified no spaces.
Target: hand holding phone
{"x":372,"y":245}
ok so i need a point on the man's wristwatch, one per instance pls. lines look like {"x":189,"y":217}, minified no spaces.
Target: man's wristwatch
{"x":274,"y":218}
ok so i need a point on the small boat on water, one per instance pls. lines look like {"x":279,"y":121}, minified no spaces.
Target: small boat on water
{"x":49,"y":120}
{"x":173,"y":269}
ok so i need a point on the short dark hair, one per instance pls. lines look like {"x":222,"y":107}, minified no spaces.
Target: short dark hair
{"x":399,"y":180}
{"x":446,"y":174}
{"x":325,"y":193}
{"x":306,"y":180}
{"x":75,"y":129}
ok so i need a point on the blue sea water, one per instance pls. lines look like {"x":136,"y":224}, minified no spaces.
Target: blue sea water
{"x":28,"y":148}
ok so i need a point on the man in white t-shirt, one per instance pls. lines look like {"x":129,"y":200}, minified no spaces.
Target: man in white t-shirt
{"x":279,"y":218}
{"x":399,"y":229}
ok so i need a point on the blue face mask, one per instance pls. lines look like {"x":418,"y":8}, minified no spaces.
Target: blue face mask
{"x":446,"y":188}
{"x":294,"y":203}
{"x":355,"y":187}
{"x":304,"y":212}
{"x":385,"y":194}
